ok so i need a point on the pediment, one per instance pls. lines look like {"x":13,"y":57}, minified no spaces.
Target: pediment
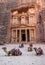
{"x":20,"y":26}
{"x":23,"y":26}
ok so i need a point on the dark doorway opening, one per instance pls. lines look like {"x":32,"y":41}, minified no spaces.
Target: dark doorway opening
{"x":23,"y":37}
{"x":28,"y":36}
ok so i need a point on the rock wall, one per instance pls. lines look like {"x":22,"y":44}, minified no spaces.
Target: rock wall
{"x":4,"y":19}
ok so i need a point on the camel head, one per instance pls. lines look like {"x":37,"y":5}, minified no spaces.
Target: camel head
{"x":35,"y":48}
{"x":5,"y":49}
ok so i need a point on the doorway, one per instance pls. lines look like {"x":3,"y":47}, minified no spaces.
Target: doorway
{"x":23,"y":35}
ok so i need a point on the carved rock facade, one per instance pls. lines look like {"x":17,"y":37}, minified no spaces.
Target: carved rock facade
{"x":22,"y":21}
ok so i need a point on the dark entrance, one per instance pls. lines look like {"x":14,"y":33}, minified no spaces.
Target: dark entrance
{"x":28,"y":36}
{"x":23,"y":36}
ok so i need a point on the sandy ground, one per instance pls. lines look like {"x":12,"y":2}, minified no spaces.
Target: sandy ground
{"x":27,"y":58}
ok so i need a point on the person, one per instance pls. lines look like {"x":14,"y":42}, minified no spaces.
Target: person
{"x":21,"y":45}
{"x":30,"y":47}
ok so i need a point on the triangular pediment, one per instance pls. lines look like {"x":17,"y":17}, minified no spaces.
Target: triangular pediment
{"x":23,"y":26}
{"x":20,"y":26}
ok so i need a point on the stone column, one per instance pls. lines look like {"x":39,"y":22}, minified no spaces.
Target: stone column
{"x":34,"y":35}
{"x":16,"y":36}
{"x":20,"y":35}
{"x":29,"y":33}
{"x":29,"y":19}
{"x":12,"y":37}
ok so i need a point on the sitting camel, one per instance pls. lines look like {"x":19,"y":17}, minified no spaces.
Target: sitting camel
{"x":38,"y":51}
{"x":12,"y":52}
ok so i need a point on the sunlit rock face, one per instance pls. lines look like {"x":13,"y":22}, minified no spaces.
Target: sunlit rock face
{"x":6,"y":6}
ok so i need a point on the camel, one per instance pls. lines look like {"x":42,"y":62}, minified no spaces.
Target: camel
{"x":12,"y":52}
{"x":38,"y":51}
